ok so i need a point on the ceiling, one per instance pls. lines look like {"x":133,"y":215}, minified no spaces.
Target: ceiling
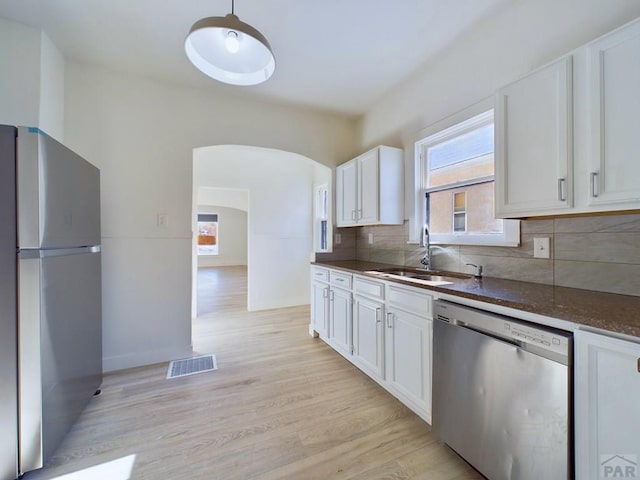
{"x":336,"y":55}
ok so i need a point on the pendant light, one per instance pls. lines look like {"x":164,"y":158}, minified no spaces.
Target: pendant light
{"x":229,"y":50}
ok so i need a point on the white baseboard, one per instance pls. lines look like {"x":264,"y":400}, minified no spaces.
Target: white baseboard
{"x":139,"y":359}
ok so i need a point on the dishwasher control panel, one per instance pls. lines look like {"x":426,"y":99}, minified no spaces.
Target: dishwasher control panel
{"x":536,"y":335}
{"x":516,"y":331}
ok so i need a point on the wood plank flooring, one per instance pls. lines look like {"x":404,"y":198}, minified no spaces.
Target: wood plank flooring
{"x":281,"y":405}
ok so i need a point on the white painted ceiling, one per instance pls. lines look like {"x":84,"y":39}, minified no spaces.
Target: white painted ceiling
{"x":336,"y":55}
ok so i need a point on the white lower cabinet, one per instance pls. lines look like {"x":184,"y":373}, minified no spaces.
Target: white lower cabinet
{"x":368,"y":344}
{"x":319,"y":302}
{"x":408,"y":344}
{"x":383,"y":328}
{"x":607,"y":407}
{"x":340,"y":320}
{"x":320,"y":308}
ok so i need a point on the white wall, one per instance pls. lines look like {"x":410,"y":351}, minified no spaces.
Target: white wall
{"x":141,"y":134}
{"x":51,"y":111}
{"x":280,"y":186}
{"x":19,"y":74}
{"x":225,"y":197}
{"x":31,"y":79}
{"x":232,"y":237}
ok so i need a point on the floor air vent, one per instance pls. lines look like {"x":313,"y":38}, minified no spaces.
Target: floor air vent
{"x":191,"y":366}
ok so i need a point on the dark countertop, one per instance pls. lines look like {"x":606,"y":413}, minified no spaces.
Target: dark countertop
{"x":607,"y":311}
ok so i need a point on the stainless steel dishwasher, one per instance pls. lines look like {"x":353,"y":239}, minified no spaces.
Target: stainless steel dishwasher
{"x":502,"y":392}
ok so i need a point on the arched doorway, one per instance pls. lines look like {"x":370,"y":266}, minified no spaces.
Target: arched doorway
{"x":280,"y":229}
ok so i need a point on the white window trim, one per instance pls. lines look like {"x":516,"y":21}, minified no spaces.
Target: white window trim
{"x":467,"y":119}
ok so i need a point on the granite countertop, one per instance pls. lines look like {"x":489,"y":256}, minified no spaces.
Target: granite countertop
{"x":607,"y":311}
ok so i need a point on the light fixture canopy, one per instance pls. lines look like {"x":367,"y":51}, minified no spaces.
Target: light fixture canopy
{"x":229,"y":50}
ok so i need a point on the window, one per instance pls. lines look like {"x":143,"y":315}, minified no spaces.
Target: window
{"x":457,"y":185}
{"x":460,"y":212}
{"x":321,"y":230}
{"x":207,"y":234}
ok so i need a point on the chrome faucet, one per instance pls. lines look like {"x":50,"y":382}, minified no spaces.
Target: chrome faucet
{"x":478,"y":273}
{"x":424,"y":242}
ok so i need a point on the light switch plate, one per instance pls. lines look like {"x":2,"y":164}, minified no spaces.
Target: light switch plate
{"x":541,"y":247}
{"x":163,"y":220}
{"x":338,"y":238}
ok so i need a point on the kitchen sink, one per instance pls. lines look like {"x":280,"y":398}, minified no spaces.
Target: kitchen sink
{"x":425,"y":277}
{"x":432,"y":275}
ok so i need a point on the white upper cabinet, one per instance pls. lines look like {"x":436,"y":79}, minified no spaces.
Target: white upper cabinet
{"x":346,"y":193}
{"x":614,"y":94}
{"x":567,"y":136}
{"x":369,"y":189}
{"x":534,"y":160}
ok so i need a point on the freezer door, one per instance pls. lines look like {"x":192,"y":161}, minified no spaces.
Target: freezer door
{"x":60,"y":345}
{"x":8,"y":308}
{"x":58,"y":194}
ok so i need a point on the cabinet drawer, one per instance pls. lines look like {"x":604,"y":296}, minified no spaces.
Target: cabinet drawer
{"x":321,"y":274}
{"x":370,"y":288}
{"x":340,"y":279}
{"x":410,"y":300}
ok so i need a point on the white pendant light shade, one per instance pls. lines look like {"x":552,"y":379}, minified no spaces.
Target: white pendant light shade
{"x":231,"y":51}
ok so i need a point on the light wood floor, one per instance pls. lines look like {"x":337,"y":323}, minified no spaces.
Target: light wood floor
{"x":282,"y":405}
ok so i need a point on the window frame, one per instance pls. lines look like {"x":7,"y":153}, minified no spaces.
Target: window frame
{"x":463,"y":122}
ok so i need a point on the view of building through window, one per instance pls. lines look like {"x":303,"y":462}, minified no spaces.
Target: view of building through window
{"x":207,"y":234}
{"x":458,"y":183}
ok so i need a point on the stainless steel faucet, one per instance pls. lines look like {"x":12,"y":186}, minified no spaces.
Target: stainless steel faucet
{"x":424,"y":242}
{"x":478,"y":272}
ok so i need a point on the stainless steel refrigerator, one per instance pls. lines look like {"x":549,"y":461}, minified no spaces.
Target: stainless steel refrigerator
{"x":50,"y":295}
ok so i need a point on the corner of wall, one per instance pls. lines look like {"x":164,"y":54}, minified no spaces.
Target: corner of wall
{"x":51,"y":106}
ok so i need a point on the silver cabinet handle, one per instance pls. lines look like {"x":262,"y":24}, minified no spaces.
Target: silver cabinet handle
{"x":353,"y":214}
{"x":389,"y":318}
{"x":561,"y":193}
{"x":339,"y":279}
{"x":594,"y":184}
{"x":331,"y":295}
{"x":360,"y":214}
{"x":325,"y":292}
{"x":638,"y":364}
{"x":378,"y":319}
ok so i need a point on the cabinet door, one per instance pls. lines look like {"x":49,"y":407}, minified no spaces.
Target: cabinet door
{"x":408,"y":358}
{"x":533,"y":138}
{"x":367,"y":336}
{"x":340,"y":320}
{"x":347,"y":193}
{"x":614,"y":76}
{"x":369,"y":188}
{"x":320,"y":308}
{"x":607,"y":396}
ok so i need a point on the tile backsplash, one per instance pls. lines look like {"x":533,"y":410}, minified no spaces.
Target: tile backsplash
{"x":593,"y":253}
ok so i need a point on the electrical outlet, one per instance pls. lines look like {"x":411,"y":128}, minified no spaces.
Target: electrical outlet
{"x":370,"y":238}
{"x":338,"y":238}
{"x":541,"y":247}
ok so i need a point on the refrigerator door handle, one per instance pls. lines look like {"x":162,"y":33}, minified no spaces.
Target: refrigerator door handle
{"x":28,"y":253}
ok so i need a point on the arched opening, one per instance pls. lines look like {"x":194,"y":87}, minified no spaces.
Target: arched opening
{"x":276,"y":189}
